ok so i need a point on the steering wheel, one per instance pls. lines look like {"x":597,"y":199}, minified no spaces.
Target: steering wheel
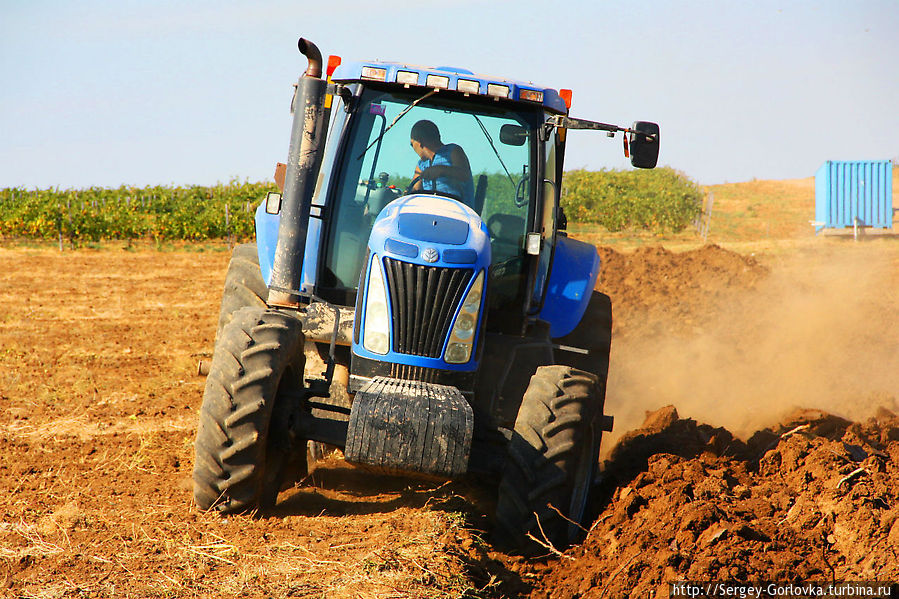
{"x":411,"y":185}
{"x":435,"y":192}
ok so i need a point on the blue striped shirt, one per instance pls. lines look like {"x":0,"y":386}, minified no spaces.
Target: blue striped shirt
{"x":463,"y":190}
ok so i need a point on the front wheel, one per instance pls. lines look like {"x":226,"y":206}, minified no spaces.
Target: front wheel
{"x":552,"y":459}
{"x":242,"y":447}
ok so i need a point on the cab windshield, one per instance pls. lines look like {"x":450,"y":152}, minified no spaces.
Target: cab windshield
{"x":380,"y":160}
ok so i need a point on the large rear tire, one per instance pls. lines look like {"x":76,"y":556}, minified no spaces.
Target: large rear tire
{"x":241,"y":450}
{"x":552,"y":459}
{"x":244,"y":285}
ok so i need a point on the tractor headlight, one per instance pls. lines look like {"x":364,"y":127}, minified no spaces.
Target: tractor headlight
{"x":465,"y":325}
{"x":458,"y":350}
{"x":458,"y":353}
{"x":375,"y":330}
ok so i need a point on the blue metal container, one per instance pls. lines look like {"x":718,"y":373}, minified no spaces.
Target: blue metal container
{"x":854,"y":194}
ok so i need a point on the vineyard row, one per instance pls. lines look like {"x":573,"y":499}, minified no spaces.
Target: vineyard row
{"x":658,"y":200}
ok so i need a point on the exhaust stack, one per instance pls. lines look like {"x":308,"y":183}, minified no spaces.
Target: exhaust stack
{"x":303,"y":157}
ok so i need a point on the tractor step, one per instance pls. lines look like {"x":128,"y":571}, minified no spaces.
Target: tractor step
{"x":607,"y":423}
{"x":410,"y":426}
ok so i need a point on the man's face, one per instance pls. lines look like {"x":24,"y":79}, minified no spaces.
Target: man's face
{"x":416,"y":146}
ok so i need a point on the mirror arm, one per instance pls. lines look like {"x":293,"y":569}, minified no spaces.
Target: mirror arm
{"x":547,"y":131}
{"x":345,"y":94}
{"x":570,"y":123}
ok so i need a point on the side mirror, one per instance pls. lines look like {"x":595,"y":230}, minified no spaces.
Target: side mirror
{"x":513,"y":135}
{"x":273,"y":202}
{"x":644,"y":144}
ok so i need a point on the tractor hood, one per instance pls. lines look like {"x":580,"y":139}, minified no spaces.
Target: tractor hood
{"x":432,"y":231}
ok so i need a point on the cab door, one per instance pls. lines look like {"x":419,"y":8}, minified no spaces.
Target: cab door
{"x":548,"y":209}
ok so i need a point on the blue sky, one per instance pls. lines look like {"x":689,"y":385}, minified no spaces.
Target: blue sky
{"x":196,"y":92}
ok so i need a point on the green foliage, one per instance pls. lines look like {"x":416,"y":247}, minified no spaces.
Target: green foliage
{"x":658,"y":200}
{"x":161,"y":213}
{"x":500,"y":197}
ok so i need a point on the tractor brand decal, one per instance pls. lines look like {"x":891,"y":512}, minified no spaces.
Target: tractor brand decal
{"x":430,"y":255}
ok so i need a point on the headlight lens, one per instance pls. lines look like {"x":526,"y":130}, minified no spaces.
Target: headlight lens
{"x":465,"y":325}
{"x":458,"y":353}
{"x":376,"y":332}
{"x":461,"y":342}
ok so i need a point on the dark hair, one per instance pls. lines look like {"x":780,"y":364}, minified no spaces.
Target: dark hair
{"x":425,"y":132}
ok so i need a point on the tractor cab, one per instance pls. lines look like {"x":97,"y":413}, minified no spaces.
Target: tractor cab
{"x":376,"y":165}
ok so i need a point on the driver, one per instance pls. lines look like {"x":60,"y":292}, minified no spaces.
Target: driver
{"x":442,"y":167}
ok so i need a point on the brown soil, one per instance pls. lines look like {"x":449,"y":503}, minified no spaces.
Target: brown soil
{"x":811,"y":499}
{"x":652,"y":287}
{"x":98,"y":401}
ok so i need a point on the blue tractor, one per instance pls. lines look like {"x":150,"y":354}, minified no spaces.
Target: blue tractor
{"x":412,"y":298}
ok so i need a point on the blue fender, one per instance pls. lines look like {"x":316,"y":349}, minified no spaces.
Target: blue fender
{"x":574,"y":271}
{"x":267,"y":239}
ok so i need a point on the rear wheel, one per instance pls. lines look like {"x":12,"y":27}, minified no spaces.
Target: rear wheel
{"x":244,"y":285}
{"x":552,"y":458}
{"x":243,"y":448}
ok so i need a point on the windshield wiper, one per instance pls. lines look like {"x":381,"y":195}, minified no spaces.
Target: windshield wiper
{"x":396,"y":120}
{"x":495,"y":151}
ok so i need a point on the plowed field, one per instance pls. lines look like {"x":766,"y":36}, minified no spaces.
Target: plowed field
{"x":778,"y":458}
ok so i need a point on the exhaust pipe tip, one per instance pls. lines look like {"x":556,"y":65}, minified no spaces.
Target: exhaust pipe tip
{"x":313,"y":55}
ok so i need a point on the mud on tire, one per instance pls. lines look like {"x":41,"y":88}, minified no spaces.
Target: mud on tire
{"x":552,"y":458}
{"x":238,"y":456}
{"x":244,"y":285}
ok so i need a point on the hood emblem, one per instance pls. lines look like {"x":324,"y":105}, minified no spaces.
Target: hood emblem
{"x":430,"y":255}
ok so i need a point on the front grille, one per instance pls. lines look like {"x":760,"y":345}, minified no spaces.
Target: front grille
{"x":415,"y":373}
{"x":423,"y":300}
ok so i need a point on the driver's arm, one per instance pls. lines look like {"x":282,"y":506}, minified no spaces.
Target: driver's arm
{"x":417,"y":177}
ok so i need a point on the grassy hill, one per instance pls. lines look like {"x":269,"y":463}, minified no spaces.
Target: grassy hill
{"x":762,"y":210}
{"x":743,"y":214}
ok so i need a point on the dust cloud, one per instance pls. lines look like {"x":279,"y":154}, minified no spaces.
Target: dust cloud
{"x":820,"y":330}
